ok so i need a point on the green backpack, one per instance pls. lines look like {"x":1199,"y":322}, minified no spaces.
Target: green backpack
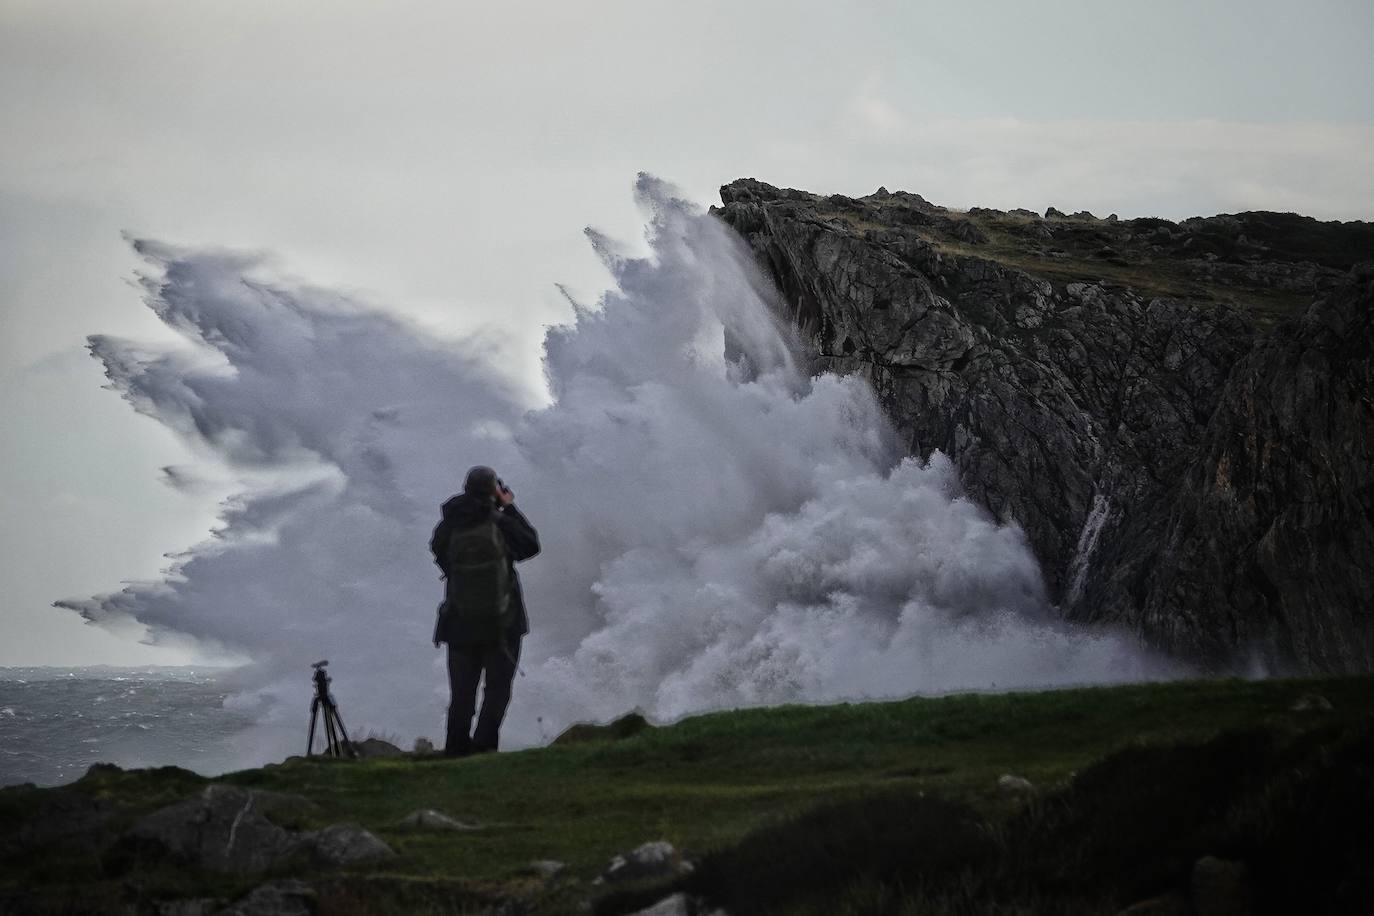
{"x":477,"y":602}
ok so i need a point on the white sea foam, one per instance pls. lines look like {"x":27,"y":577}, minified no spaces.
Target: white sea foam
{"x":717,"y":531}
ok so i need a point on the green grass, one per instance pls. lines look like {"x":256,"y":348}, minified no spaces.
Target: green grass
{"x":704,"y":784}
{"x":1164,"y":277}
{"x":1290,"y":811}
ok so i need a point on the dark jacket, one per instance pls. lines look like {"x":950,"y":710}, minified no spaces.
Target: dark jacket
{"x":522,"y":541}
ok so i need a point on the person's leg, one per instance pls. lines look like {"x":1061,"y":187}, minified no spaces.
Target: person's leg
{"x":500,"y":663}
{"x":464,"y":670}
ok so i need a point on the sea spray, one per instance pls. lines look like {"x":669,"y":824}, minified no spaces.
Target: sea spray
{"x":718,"y":528}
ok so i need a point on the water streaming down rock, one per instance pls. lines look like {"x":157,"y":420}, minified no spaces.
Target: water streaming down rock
{"x":718,"y":527}
{"x":1087,"y":544}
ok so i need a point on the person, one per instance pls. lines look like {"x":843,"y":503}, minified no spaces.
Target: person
{"x":474,"y":650}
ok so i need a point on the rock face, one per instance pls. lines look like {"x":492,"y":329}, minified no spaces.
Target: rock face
{"x":1271,"y":531}
{"x":1111,"y":387}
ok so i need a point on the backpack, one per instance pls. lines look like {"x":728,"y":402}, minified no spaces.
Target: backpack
{"x":478,"y":604}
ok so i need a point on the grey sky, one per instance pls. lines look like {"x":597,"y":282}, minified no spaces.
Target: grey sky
{"x":443,"y":158}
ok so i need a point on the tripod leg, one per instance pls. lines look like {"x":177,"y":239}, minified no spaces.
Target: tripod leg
{"x":343,"y":732}
{"x":329,"y":730}
{"x":310,"y":739}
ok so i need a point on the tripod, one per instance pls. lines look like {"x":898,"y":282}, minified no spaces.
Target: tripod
{"x":336,"y":743}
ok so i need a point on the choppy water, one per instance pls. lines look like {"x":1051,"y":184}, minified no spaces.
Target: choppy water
{"x":56,"y":722}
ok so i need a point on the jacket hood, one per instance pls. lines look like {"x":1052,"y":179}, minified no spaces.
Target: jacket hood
{"x":463,"y":511}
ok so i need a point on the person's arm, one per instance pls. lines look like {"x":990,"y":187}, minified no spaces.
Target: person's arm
{"x":438,"y":544}
{"x":521,"y":538}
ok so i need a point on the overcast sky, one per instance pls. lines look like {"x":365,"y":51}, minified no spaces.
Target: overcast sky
{"x":442,"y":159}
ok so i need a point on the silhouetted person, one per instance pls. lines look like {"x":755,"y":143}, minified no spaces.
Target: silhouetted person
{"x":477,"y":544}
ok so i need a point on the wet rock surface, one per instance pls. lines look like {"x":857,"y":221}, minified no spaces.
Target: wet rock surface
{"x":1110,"y":386}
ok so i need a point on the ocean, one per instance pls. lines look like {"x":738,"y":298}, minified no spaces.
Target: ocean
{"x":56,"y":722}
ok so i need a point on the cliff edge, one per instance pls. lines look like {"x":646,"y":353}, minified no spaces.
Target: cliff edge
{"x":1180,"y":415}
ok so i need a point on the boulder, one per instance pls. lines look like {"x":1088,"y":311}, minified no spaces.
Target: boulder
{"x":966,"y":231}
{"x":676,"y":905}
{"x":423,"y":746}
{"x":376,"y":747}
{"x":429,"y":819}
{"x":1311,"y":702}
{"x":346,"y":844}
{"x":280,"y":898}
{"x":221,"y":829}
{"x":1010,"y":786}
{"x":226,"y":829}
{"x":657,"y":859}
{"x":548,"y":869}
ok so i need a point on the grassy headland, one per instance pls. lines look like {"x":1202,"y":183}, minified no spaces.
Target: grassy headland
{"x":717,"y":786}
{"x":1268,"y":265}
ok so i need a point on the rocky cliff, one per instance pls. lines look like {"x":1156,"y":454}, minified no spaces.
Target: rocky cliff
{"x":1180,"y":416}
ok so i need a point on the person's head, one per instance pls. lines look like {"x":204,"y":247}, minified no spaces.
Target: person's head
{"x":480,"y":482}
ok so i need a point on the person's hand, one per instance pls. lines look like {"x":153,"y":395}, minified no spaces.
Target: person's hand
{"x":504,"y":496}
